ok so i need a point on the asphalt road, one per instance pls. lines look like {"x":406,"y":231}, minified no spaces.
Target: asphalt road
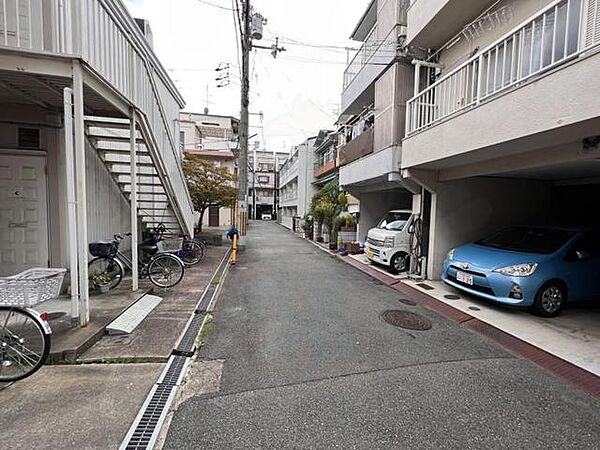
{"x":309,"y":363}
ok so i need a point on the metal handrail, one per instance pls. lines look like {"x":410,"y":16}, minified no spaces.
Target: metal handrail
{"x":552,"y":36}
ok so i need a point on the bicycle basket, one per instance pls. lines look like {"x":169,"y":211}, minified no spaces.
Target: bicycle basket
{"x":102,"y":248}
{"x":170,"y":245}
{"x":31,"y":287}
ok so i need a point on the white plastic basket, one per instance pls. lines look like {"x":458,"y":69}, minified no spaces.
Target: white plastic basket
{"x":31,"y":287}
{"x":170,"y":245}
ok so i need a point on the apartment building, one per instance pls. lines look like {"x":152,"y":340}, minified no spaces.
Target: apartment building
{"x":326,"y":164}
{"x":377,"y":83}
{"x":214,"y":139}
{"x":263,"y":181}
{"x":296,"y":188}
{"x":503,"y":127}
{"x":89,"y":136}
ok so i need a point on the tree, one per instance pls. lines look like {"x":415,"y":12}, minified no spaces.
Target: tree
{"x":326,"y":206}
{"x":208,"y":184}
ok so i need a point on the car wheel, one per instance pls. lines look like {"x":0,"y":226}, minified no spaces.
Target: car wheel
{"x":550,"y":299}
{"x":399,"y":263}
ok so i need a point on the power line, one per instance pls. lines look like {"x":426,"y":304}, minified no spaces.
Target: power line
{"x":236,"y":20}
{"x":215,"y":5}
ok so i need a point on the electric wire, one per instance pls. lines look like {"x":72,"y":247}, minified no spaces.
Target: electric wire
{"x":214,"y":5}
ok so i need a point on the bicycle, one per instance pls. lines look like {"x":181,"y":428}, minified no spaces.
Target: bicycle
{"x":25,"y":333}
{"x":191,"y":251}
{"x":164,"y":270}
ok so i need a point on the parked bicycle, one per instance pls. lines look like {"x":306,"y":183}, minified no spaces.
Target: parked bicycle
{"x":25,"y":333}
{"x":164,"y":270}
{"x":192,"y":250}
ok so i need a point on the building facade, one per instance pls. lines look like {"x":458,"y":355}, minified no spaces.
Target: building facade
{"x":214,"y":139}
{"x":263,"y":182}
{"x":503,"y":125}
{"x":377,"y":83}
{"x":296,"y":187}
{"x":89,"y":137}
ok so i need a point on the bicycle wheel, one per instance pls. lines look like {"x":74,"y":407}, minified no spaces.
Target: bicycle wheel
{"x":191,"y":253}
{"x":24,"y":343}
{"x":111,"y":267}
{"x":165,"y":270}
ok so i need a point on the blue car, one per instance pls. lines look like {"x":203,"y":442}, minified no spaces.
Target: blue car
{"x":537,"y":267}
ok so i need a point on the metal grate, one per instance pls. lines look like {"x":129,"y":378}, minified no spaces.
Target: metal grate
{"x":187,"y":344}
{"x":174,"y":370}
{"x":206,"y":299}
{"x":145,"y":428}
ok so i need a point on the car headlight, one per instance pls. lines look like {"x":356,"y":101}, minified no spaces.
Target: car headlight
{"x":519,"y":270}
{"x":388,"y":242}
{"x":450,"y":255}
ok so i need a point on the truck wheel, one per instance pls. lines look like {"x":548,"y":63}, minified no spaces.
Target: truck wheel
{"x":399,"y":263}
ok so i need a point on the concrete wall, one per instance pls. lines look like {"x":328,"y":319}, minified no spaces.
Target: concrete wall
{"x":373,"y":206}
{"x":466,"y":210}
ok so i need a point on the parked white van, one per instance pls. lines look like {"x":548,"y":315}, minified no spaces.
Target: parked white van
{"x":389,"y":243}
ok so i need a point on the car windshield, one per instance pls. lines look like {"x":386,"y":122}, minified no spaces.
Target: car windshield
{"x":528,"y":240}
{"x":395,"y":221}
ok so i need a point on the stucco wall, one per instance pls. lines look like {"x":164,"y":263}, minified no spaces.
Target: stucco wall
{"x":467,"y":210}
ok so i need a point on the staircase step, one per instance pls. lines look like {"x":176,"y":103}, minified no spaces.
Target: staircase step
{"x":158,"y":219}
{"x":144,"y":189}
{"x":122,"y":158}
{"x":125,"y":169}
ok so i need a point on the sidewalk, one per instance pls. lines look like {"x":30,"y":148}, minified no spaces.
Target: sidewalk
{"x":91,"y":404}
{"x":305,"y":356}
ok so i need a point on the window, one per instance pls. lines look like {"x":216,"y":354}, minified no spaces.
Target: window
{"x":29,"y":138}
{"x":182,"y":139}
{"x":395,"y":221}
{"x":589,"y":244}
{"x":528,"y":240}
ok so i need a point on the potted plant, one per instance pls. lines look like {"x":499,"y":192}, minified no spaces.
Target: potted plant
{"x":99,"y":281}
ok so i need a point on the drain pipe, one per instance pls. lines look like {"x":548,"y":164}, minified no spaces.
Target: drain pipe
{"x":71,"y":203}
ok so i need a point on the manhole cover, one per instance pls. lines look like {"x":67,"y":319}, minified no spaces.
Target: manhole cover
{"x":408,"y":302}
{"x":474,"y":308}
{"x":452,"y":297}
{"x":406,"y":319}
{"x":56,"y":315}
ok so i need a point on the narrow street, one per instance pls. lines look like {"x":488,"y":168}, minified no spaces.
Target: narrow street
{"x":308,"y":362}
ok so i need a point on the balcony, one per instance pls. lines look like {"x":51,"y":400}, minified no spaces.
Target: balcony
{"x":357,"y":147}
{"x":513,"y":84}
{"x":434,"y":22}
{"x":325,"y":168}
{"x":369,"y":62}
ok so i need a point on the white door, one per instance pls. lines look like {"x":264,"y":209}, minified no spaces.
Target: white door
{"x":23,"y":213}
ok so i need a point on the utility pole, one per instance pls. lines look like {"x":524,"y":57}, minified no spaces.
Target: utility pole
{"x":245,"y":101}
{"x":252,"y":24}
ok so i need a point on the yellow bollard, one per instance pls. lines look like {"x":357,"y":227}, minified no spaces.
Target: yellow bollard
{"x":234,"y":251}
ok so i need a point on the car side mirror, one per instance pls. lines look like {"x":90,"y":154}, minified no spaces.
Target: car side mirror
{"x":411,"y":228}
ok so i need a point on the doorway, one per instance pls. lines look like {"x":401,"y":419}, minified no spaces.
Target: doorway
{"x":23,"y":213}
{"x":213,"y":216}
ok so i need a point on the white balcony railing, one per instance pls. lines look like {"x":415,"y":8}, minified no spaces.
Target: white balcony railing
{"x":556,"y":34}
{"x":107,"y":39}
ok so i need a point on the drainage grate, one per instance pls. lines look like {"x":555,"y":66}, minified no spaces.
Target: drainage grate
{"x":187,"y":344}
{"x":206,"y":299}
{"x":426,"y":286}
{"x":406,"y":319}
{"x":408,"y":302}
{"x":451,"y":297}
{"x":146,"y":426}
{"x":174,"y":370}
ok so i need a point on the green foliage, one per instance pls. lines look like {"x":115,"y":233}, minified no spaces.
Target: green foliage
{"x":96,"y":279}
{"x":327,"y":204}
{"x":208,"y":184}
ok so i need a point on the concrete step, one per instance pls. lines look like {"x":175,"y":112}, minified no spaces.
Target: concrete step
{"x":134,"y":315}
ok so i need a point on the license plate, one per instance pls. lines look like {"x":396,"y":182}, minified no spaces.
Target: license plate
{"x":464,"y":278}
{"x":369,"y":254}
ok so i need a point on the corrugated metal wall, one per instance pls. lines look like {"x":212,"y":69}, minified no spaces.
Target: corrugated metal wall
{"x":108,"y":211}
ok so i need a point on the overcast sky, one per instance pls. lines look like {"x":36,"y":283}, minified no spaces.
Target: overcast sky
{"x":299,"y":92}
